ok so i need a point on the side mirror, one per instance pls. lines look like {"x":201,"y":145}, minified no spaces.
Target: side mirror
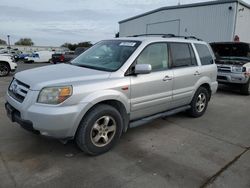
{"x":143,"y":69}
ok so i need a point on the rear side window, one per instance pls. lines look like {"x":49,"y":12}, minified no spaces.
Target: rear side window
{"x":182,"y":55}
{"x":204,"y":54}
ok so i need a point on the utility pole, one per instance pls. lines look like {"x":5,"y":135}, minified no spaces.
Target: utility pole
{"x":8,"y":40}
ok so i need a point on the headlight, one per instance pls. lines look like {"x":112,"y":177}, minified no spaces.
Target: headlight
{"x":54,"y":95}
{"x":236,"y":69}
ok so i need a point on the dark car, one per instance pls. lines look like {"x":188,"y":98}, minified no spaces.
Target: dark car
{"x":63,"y":57}
{"x":20,"y":57}
{"x":233,"y":63}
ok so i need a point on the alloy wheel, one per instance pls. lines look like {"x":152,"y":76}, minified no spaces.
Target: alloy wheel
{"x":103,"y":131}
{"x":201,"y":102}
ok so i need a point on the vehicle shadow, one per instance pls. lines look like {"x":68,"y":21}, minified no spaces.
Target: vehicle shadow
{"x":228,"y":89}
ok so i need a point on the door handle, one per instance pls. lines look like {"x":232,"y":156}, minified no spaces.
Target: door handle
{"x":167,"y":78}
{"x":197,"y":73}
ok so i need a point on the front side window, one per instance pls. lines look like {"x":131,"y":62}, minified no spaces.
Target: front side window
{"x":182,"y":55}
{"x":107,"y":55}
{"x":156,"y":55}
{"x":204,"y":54}
{"x":35,"y":55}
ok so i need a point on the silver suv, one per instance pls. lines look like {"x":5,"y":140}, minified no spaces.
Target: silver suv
{"x":115,"y":85}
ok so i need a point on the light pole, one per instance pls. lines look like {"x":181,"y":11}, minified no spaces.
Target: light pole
{"x":8,"y":40}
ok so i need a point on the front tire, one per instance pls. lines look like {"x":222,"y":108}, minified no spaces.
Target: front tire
{"x":99,"y":130}
{"x":199,"y":102}
{"x":4,"y":69}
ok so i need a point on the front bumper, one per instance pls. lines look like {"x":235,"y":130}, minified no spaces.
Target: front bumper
{"x":14,"y":116}
{"x":14,"y":69}
{"x":232,"y":78}
{"x":13,"y":66}
{"x":54,"y":121}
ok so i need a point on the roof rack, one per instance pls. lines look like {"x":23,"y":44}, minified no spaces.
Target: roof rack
{"x":167,"y":36}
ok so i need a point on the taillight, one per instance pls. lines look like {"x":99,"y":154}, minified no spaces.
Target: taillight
{"x":61,"y":57}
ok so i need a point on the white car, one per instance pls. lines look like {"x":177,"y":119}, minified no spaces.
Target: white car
{"x":7,"y":65}
{"x":39,"y":57}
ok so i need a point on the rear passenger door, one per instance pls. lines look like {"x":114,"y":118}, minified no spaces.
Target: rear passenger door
{"x":186,"y":72}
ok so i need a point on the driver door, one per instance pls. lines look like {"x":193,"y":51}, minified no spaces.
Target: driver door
{"x":152,"y":93}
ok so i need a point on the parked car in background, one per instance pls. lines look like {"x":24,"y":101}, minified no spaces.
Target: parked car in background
{"x":115,"y":85}
{"x":11,"y":52}
{"x":80,"y":50}
{"x":64,"y":57}
{"x":233,"y":62}
{"x":39,"y":57}
{"x":21,"y":57}
{"x":7,"y":65}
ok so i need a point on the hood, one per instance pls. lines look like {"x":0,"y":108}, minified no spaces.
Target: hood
{"x":232,"y":60}
{"x":56,"y":75}
{"x":5,"y":57}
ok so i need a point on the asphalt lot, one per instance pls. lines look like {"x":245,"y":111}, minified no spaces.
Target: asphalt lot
{"x":179,"y":151}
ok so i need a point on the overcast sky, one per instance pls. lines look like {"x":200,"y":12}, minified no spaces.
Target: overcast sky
{"x":53,"y":22}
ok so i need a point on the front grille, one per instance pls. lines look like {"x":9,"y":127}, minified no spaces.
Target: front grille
{"x":224,"y":69}
{"x":221,"y":77}
{"x":18,"y":90}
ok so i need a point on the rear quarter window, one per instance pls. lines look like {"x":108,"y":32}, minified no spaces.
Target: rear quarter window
{"x":204,"y":54}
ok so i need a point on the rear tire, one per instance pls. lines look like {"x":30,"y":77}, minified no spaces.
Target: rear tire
{"x":99,"y":130}
{"x":4,"y":69}
{"x":199,"y":102}
{"x":245,"y":89}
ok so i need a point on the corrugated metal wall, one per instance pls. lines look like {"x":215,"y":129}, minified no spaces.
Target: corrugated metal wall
{"x":210,"y":23}
{"x":243,"y":23}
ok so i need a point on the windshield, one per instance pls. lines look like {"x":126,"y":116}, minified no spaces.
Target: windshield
{"x":107,"y":55}
{"x":222,"y":50}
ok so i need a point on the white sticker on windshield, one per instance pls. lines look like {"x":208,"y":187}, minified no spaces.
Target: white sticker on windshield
{"x":127,"y":44}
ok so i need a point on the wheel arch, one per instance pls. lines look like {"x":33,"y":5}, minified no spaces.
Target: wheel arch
{"x":117,"y":101}
{"x":119,"y":106}
{"x":208,"y":87}
{"x":204,"y":82}
{"x":5,"y":62}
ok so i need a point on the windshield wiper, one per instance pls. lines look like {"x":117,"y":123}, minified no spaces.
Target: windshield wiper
{"x":91,"y":67}
{"x":85,"y":66}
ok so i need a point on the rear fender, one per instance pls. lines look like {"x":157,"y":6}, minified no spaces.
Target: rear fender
{"x":201,"y":81}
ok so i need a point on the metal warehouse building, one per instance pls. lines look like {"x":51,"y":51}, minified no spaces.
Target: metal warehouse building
{"x":211,"y":21}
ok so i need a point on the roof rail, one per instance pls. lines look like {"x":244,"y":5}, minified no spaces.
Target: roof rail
{"x":191,"y":37}
{"x":170,"y":35}
{"x":156,"y":34}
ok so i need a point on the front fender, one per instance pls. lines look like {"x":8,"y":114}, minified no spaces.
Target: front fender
{"x":96,"y":97}
{"x":247,"y":65}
